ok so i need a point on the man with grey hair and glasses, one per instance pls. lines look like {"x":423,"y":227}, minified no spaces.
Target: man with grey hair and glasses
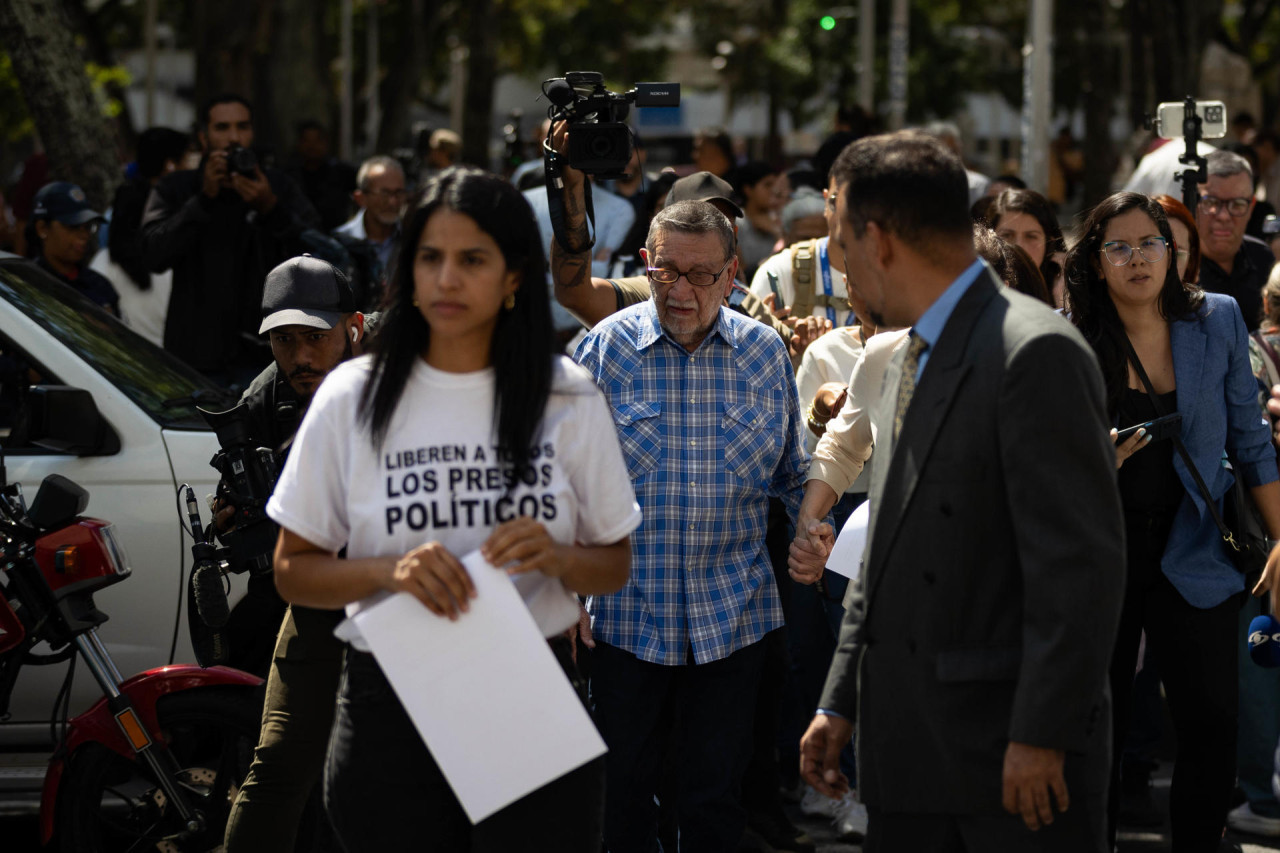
{"x":706,"y":410}
{"x":1231,"y":262}
{"x":380,"y":195}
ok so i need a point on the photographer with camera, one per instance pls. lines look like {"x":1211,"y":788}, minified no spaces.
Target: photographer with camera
{"x":308,"y":312}
{"x":220,"y":228}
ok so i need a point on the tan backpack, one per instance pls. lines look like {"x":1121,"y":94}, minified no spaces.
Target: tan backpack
{"x":804,"y":276}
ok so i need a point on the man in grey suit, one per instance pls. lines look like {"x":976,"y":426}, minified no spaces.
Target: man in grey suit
{"x":974,"y":656}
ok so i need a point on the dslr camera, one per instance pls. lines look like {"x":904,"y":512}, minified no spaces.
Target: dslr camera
{"x":600,"y":142}
{"x":241,"y":160}
{"x":248,"y":478}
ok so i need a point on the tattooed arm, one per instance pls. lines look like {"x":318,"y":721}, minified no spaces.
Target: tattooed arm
{"x":590,"y":299}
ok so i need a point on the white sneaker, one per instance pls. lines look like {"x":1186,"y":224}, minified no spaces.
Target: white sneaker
{"x":814,"y":803}
{"x":850,"y":819}
{"x":1245,"y":819}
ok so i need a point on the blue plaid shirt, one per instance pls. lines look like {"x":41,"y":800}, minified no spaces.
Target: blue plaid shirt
{"x":708,"y":437}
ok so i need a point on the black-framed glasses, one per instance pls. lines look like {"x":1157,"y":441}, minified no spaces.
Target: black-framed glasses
{"x":697,"y":278}
{"x":1118,"y":253}
{"x":1235,"y":206}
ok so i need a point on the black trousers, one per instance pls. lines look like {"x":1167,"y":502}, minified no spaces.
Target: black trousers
{"x":635,"y":704}
{"x":1078,"y":830}
{"x":1198,"y":664}
{"x":384,"y":791}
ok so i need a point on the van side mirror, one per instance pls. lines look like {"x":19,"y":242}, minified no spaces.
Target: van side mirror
{"x":66,"y":420}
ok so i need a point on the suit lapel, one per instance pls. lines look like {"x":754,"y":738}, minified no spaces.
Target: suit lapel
{"x":943,"y":375}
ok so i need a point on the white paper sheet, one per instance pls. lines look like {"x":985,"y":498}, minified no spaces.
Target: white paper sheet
{"x":846,"y":557}
{"x":485,"y":692}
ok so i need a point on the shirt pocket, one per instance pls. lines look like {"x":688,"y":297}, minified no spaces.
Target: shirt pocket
{"x":640,"y":435}
{"x":750,"y":446}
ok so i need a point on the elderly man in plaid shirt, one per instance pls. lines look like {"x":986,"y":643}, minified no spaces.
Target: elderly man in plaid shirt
{"x":706,"y":409}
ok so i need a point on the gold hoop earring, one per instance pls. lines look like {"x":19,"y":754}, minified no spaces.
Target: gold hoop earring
{"x":509,"y":302}
{"x":415,"y":302}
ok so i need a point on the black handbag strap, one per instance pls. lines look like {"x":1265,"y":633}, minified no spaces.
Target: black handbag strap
{"x":1227,"y":535}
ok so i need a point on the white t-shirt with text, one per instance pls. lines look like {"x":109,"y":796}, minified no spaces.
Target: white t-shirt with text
{"x":438,"y":476}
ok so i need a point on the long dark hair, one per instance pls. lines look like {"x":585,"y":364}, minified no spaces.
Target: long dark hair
{"x":523,"y":340}
{"x":1040,"y":209}
{"x":1092,"y":310}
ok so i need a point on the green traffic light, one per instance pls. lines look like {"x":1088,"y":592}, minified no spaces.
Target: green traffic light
{"x":827,"y":22}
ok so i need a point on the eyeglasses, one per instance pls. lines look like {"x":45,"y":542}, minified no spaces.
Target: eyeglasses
{"x":1119,"y":253}
{"x":390,"y":195}
{"x":1235,"y":206}
{"x":697,"y":278}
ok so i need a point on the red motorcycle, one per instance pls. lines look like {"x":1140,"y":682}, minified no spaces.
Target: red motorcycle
{"x":156,"y":763}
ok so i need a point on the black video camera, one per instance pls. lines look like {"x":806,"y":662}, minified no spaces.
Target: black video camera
{"x":248,"y":478}
{"x":600,"y":143}
{"x":242,"y":161}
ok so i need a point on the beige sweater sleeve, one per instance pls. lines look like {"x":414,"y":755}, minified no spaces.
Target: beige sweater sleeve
{"x":845,"y":448}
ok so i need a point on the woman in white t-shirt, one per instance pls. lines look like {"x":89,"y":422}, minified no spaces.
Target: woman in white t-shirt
{"x":462,"y":431}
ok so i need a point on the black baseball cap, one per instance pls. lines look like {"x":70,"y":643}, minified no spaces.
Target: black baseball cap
{"x":305,"y":291}
{"x":65,"y":202}
{"x":703,"y":186}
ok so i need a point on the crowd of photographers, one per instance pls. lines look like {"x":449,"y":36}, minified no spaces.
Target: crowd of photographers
{"x":265,"y":279}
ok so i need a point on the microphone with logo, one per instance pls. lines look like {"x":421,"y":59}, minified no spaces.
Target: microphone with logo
{"x":1264,"y":640}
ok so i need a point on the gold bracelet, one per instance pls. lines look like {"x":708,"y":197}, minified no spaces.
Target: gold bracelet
{"x":811,"y":415}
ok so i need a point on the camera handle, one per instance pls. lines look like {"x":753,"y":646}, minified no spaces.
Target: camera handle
{"x":207,"y":608}
{"x":555,"y":201}
{"x":1191,"y":178}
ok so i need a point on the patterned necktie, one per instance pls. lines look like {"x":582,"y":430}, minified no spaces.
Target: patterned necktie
{"x":908,"y":385}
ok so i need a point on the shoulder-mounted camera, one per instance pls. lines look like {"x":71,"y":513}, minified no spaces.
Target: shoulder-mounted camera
{"x":600,"y":142}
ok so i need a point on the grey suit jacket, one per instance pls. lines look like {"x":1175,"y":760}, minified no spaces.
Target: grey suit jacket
{"x":990,"y":594}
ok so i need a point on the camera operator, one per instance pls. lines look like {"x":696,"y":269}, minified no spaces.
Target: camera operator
{"x":592,"y":299}
{"x":308,"y":311}
{"x":220,"y":228}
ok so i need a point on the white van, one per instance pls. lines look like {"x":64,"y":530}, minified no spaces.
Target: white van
{"x":117,"y":415}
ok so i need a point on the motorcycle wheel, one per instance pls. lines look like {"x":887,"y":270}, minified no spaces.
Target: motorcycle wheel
{"x":109,"y":803}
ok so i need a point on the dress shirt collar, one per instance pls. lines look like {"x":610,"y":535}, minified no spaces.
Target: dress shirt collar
{"x":651,"y":330}
{"x":934,"y":320}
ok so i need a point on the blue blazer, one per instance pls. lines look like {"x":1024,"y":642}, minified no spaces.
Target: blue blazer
{"x":1218,"y":399}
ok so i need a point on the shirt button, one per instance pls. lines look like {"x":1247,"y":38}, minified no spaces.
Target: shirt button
{"x":693,"y":442}
{"x":693,"y":485}
{"x":690,"y":526}
{"x":690,"y":399}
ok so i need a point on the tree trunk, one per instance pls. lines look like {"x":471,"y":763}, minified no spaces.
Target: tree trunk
{"x":398,"y":90}
{"x":226,"y":35}
{"x":76,"y":135}
{"x":482,"y":74}
{"x":1097,"y":90}
{"x":296,"y":73}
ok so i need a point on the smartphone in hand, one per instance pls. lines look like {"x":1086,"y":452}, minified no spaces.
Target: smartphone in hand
{"x":1159,"y":429}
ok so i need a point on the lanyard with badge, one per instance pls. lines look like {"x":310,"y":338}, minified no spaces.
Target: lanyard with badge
{"x":824,"y":264}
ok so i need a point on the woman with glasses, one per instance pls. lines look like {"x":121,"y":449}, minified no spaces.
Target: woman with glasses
{"x":1182,"y":588}
{"x":462,"y":432}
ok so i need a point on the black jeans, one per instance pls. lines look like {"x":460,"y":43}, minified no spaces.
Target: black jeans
{"x":1198,"y":664}
{"x":383,"y":790}
{"x":634,"y":702}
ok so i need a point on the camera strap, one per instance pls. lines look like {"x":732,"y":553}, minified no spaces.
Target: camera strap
{"x":555,"y":202}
